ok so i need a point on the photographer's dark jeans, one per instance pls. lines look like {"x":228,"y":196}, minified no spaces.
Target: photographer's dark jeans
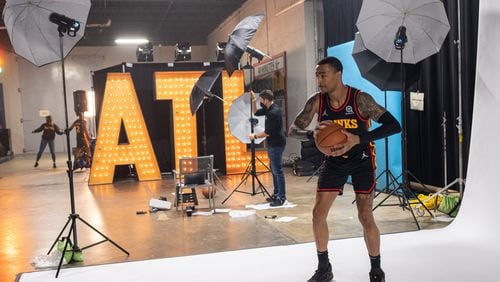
{"x":43,"y":144}
{"x":275,"y":154}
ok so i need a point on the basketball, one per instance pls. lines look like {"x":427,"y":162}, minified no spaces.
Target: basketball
{"x":328,"y":137}
{"x":206,"y":193}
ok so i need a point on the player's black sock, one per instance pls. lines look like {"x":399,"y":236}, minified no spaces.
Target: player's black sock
{"x":375,"y":262}
{"x":323,"y":260}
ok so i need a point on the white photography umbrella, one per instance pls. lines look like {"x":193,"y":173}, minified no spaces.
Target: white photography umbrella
{"x":34,"y":36}
{"x":425,"y":21}
{"x":239,"y":119}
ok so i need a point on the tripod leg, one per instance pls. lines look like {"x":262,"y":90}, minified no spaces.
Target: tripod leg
{"x":65,"y":245}
{"x":315,"y":172}
{"x":244,"y":179}
{"x":218,"y":180}
{"x":447,"y":187}
{"x":376,"y":195}
{"x":420,"y":182}
{"x":382,"y":173}
{"x":263,"y":164}
{"x":262,"y":188}
{"x":435,"y":195}
{"x":402,"y":204}
{"x":420,"y":201}
{"x":411,"y":210}
{"x":394,"y":179}
{"x":394,"y":182}
{"x":247,"y":170}
{"x":59,"y":235}
{"x":105,"y":237}
{"x":386,"y":197}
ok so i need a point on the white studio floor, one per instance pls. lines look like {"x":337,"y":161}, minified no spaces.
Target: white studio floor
{"x":405,"y":258}
{"x":468,"y":250}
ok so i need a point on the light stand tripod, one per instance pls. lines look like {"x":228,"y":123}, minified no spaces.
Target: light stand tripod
{"x":404,"y":186}
{"x":73,"y":216}
{"x":460,"y":180}
{"x":445,"y":169}
{"x":249,"y":167}
{"x":252,"y":172}
{"x":390,"y":179}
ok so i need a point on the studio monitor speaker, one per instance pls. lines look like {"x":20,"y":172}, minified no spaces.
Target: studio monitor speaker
{"x":80,"y":101}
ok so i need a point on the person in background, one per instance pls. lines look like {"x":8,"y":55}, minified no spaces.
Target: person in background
{"x":49,"y":129}
{"x":275,"y":136}
{"x":354,"y":110}
{"x":82,"y":139}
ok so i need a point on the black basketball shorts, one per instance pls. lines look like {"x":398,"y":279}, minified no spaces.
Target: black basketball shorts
{"x":361,"y":167}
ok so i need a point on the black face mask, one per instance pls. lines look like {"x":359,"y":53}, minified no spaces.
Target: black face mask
{"x":263,"y":106}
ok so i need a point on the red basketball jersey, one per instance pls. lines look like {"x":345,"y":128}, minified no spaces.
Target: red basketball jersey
{"x":347,"y":116}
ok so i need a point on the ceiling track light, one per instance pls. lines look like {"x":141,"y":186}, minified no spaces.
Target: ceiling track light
{"x":182,"y":51}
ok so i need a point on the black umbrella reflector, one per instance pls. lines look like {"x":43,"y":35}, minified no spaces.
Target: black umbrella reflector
{"x":239,"y":40}
{"x":386,"y":76}
{"x":202,"y":88}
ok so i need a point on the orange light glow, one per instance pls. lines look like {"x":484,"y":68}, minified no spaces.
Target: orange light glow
{"x":119,"y":104}
{"x":2,"y":60}
{"x":176,"y":86}
{"x":237,"y":157}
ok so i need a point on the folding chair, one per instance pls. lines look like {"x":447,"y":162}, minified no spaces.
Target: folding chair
{"x":194,"y":173}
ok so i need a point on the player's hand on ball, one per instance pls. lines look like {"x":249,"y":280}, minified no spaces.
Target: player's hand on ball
{"x":320,"y":126}
{"x":341,"y":149}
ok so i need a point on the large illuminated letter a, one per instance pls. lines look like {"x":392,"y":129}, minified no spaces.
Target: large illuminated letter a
{"x":119,"y":104}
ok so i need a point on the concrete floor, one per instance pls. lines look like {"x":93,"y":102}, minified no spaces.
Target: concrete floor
{"x":35,"y":205}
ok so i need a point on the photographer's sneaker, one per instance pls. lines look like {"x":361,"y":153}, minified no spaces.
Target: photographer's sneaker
{"x":322,"y":275}
{"x":271,"y":199}
{"x":277,"y":202}
{"x":377,"y":275}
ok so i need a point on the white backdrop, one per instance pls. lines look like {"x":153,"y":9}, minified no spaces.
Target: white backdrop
{"x":467,"y":250}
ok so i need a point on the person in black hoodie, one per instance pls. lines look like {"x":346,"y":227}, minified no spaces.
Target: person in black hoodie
{"x":49,"y":129}
{"x":276,"y":141}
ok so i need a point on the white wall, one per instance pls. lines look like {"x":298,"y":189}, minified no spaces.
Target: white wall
{"x":287,"y":27}
{"x":41,"y":87}
{"x":12,"y":99}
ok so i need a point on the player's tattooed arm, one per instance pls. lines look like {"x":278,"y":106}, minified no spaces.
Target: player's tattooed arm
{"x":368,"y":108}
{"x":304,"y":118}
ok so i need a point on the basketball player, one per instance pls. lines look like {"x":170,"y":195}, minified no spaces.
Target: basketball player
{"x":82,"y":138}
{"x":352,"y":109}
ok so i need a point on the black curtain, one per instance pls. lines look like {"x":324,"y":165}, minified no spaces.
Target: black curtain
{"x":158,"y":113}
{"x":439,"y":82}
{"x":340,"y":20}
{"x":210,"y":126}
